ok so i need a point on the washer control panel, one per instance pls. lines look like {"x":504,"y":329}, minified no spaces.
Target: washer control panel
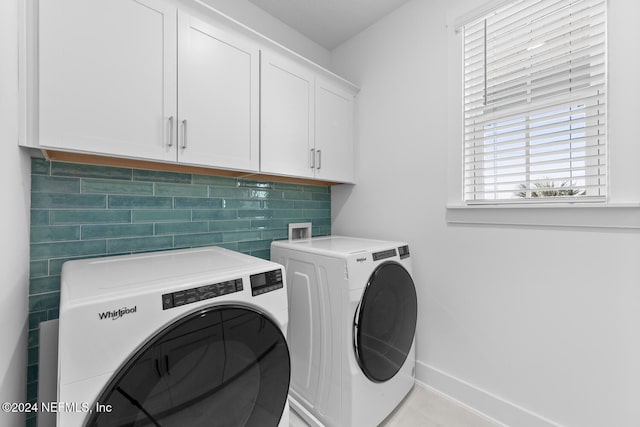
{"x":268,"y":281}
{"x":404,"y":251}
{"x":189,"y":296}
{"x":389,"y":253}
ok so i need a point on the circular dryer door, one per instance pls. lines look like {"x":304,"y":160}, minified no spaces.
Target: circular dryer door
{"x":385,"y":322}
{"x":220,"y":366}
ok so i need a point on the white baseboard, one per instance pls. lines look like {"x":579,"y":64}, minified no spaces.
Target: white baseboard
{"x":482,"y":402}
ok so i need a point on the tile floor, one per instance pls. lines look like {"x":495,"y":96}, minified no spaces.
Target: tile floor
{"x":425,"y":408}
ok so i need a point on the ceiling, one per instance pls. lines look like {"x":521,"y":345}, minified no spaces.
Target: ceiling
{"x":328,"y":22}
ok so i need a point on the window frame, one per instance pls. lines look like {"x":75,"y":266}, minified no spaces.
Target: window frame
{"x":472,"y":181}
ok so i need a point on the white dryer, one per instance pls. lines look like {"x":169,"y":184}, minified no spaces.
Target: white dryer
{"x":352,"y":320}
{"x":184,"y":337}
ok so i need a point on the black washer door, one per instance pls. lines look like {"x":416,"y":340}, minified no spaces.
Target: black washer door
{"x":220,"y":366}
{"x":385,"y":322}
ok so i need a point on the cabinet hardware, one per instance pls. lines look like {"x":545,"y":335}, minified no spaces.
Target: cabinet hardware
{"x":319,"y":159}
{"x":184,"y":133}
{"x":313,"y":158}
{"x":170,"y":132}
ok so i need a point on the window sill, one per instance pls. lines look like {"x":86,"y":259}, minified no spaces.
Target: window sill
{"x":625,"y":216}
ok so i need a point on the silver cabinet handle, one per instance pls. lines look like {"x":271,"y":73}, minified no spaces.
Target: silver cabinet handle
{"x":313,"y":158}
{"x":170,"y":132}
{"x":319,"y":159}
{"x":184,"y":133}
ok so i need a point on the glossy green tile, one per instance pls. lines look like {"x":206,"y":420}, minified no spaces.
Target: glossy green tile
{"x":183,"y":190}
{"x":44,"y":301}
{"x":266,"y":194}
{"x":317,"y":188}
{"x":90,"y":216}
{"x":140,"y":202}
{"x":90,"y":171}
{"x":32,"y":374}
{"x":108,"y":231}
{"x":197,"y":203}
{"x":38,"y":268}
{"x":33,"y":354}
{"x":139,"y":244}
{"x":288,"y":213}
{"x":254,"y":245}
{"x":35,"y":319}
{"x":40,"y":166}
{"x":39,"y":217}
{"x":297,"y":195}
{"x":54,"y":233}
{"x":53,"y":313}
{"x":41,"y":285}
{"x":278,"y":204}
{"x":254,"y":184}
{"x":161,"y":215}
{"x":287,"y":186}
{"x":325,"y":197}
{"x":317,"y":213}
{"x":222,"y":181}
{"x":159,"y":176}
{"x":241,"y":204}
{"x":67,"y":249}
{"x":282,"y":233}
{"x":214,"y":214}
{"x":106,"y":186}
{"x":238,"y":236}
{"x":54,"y":184}
{"x":181,"y":227}
{"x":255,"y":213}
{"x":229,"y":192}
{"x":229,"y":225}
{"x":33,"y":338}
{"x":76,"y":201}
{"x":203,"y":239}
{"x":264,"y":254}
{"x":32,"y":391}
{"x":270,"y":223}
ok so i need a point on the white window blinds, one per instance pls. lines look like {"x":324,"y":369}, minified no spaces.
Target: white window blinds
{"x":535,"y":103}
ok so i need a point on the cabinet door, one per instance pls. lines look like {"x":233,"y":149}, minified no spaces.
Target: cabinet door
{"x":334,"y":132}
{"x":218,"y":100}
{"x":107,"y":77}
{"x":287,"y":107}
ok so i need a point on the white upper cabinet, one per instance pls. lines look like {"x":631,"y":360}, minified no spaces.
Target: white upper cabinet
{"x":218,"y":97}
{"x":307,"y":122}
{"x":334,"y":110}
{"x":177,"y":82}
{"x":107,"y":77}
{"x":287,"y":113}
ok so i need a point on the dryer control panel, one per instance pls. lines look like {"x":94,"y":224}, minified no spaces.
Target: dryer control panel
{"x":188,"y":296}
{"x":266,"y":282}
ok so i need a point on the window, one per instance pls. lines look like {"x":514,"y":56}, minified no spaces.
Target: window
{"x":535,"y":103}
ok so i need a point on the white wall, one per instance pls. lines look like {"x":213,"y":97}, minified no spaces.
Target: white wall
{"x":533,"y":326}
{"x":14,"y":176}
{"x":257,"y":19}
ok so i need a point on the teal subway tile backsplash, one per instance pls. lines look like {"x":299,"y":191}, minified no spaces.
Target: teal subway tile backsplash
{"x":82,"y":211}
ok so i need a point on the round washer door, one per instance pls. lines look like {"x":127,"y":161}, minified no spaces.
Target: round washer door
{"x":220,"y":366}
{"x":385,"y":322}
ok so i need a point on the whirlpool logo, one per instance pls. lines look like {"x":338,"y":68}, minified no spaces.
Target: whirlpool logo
{"x":116,"y":314}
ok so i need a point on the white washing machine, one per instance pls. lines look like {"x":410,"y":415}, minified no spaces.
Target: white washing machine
{"x":184,"y":337}
{"x":352,"y":320}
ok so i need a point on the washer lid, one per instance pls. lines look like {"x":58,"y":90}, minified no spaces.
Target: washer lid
{"x":128,"y":273}
{"x":337,"y":245}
